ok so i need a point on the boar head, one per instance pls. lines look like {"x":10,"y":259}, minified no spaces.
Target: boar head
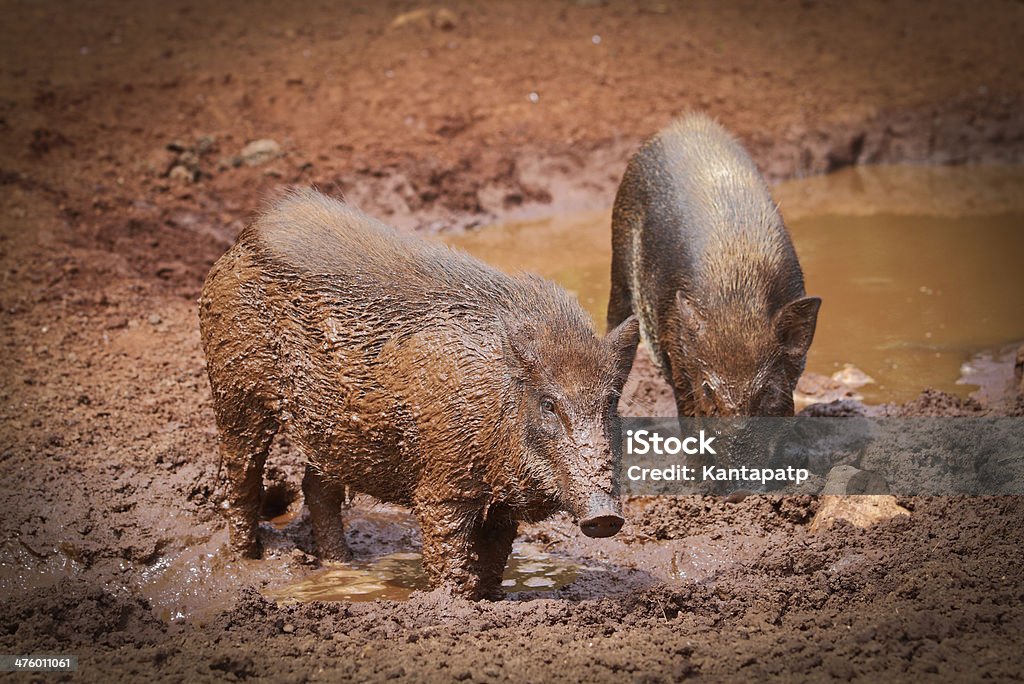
{"x":568,"y":383}
{"x":739,"y":363}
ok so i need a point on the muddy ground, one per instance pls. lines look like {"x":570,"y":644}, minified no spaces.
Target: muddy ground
{"x":123,"y":176}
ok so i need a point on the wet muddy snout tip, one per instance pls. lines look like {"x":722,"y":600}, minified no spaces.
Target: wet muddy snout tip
{"x":602,"y":525}
{"x":604,"y":517}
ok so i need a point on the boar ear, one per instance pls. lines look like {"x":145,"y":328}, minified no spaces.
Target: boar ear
{"x":795,"y":323}
{"x":623,"y":341}
{"x":520,"y":346}
{"x":691,"y":320}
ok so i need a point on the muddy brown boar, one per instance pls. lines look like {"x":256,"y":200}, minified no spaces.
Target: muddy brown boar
{"x":701,"y":255}
{"x":416,"y":374}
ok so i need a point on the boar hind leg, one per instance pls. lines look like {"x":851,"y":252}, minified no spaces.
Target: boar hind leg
{"x":462,"y":553}
{"x":324,"y":498}
{"x":245,"y":438}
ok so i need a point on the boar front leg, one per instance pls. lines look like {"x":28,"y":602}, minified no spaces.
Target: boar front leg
{"x":463,"y":551}
{"x":492,"y":544}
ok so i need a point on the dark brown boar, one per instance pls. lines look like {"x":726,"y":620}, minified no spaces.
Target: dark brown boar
{"x":413,"y":373}
{"x":702,"y":256}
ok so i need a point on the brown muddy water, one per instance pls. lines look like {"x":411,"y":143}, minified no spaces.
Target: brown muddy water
{"x":395,"y":576}
{"x":203,"y":578}
{"x":920,"y":269}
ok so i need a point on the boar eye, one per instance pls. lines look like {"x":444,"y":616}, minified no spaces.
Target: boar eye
{"x":547,"y":405}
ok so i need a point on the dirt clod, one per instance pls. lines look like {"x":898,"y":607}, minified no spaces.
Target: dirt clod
{"x":260,"y":152}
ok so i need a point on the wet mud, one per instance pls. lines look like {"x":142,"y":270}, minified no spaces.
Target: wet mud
{"x":126,"y":170}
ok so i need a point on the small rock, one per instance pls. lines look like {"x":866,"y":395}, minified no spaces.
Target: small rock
{"x":288,"y":628}
{"x":445,"y":19}
{"x":206,"y":144}
{"x":189,"y":159}
{"x":814,"y":387}
{"x":851,"y":376}
{"x":862,"y":511}
{"x":418,"y":17}
{"x":181,"y":174}
{"x":260,"y":152}
{"x":441,"y":18}
{"x":154,"y":319}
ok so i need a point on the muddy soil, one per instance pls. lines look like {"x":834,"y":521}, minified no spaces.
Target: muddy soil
{"x":125,"y":170}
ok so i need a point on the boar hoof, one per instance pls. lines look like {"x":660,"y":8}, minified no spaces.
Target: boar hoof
{"x":335,"y":550}
{"x":473,"y":591}
{"x":493,"y":594}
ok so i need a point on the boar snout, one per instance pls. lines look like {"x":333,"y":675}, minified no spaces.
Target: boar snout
{"x":603,"y":518}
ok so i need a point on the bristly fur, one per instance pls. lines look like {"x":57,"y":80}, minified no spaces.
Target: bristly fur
{"x":408,"y":371}
{"x":702,"y":256}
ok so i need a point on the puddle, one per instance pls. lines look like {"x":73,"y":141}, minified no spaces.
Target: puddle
{"x":530,"y":568}
{"x":395,"y":576}
{"x":202,"y":579}
{"x":574,"y":251}
{"x":199,"y":576}
{"x":908,"y":299}
{"x":24,"y":567}
{"x":918,"y":267}
{"x":392,"y":577}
